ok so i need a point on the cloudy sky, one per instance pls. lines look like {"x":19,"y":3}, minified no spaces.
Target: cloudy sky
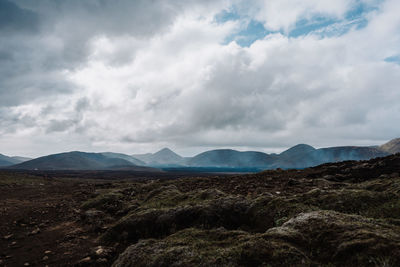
{"x":134,"y":76}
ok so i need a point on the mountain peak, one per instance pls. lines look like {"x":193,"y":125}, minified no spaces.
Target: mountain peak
{"x":165,"y":150}
{"x":299,"y":148}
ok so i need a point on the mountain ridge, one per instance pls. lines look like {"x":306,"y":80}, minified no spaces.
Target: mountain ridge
{"x":76,"y":160}
{"x":297,"y":157}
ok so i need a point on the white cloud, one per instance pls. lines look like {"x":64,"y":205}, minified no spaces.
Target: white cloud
{"x":182,"y":86}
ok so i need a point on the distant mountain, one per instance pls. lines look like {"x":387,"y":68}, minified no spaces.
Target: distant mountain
{"x":232,"y":159}
{"x":299,"y":156}
{"x":77,"y":161}
{"x":8,"y":161}
{"x":392,"y":146}
{"x":125,"y":157}
{"x":334,"y":154}
{"x":164,"y":157}
{"x":303,"y":156}
{"x":22,"y":159}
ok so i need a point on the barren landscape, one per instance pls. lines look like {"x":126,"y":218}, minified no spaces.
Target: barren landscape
{"x":199,"y":133}
{"x":336,"y":214}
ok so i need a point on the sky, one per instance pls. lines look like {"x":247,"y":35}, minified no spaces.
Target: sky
{"x":134,"y":76}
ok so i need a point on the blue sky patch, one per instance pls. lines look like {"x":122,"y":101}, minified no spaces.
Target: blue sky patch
{"x":322,"y":26}
{"x":250,"y":32}
{"x":393,"y":59}
{"x":253,"y":31}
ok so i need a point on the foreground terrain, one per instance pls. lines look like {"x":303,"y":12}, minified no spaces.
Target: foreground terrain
{"x":339,"y":214}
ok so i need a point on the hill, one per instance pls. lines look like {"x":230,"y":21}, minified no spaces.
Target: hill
{"x":8,"y":161}
{"x":231,"y":159}
{"x":164,"y":157}
{"x":124,"y":157}
{"x":21,"y":159}
{"x":392,"y":146}
{"x":76,"y":161}
{"x":297,"y":157}
{"x":335,"y":154}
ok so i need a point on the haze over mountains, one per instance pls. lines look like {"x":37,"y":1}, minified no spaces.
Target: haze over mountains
{"x":7,"y":161}
{"x":299,"y":156}
{"x":83,"y":161}
{"x":164,"y":157}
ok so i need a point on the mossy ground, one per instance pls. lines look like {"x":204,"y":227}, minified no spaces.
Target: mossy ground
{"x":344,"y":214}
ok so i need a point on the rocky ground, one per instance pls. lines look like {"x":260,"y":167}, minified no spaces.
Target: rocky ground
{"x":339,"y":214}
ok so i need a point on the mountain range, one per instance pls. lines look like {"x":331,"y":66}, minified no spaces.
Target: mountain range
{"x":298,"y":157}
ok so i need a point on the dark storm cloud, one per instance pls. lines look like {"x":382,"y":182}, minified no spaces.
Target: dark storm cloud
{"x":57,"y":36}
{"x":14,"y":19}
{"x":41,"y":39}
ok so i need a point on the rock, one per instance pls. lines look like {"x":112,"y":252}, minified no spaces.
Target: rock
{"x":103,"y":252}
{"x":47,"y":252}
{"x":45,"y":258}
{"x":35,"y":231}
{"x":85,"y":260}
{"x":7,"y":237}
{"x":26,"y":264}
{"x":100,"y":251}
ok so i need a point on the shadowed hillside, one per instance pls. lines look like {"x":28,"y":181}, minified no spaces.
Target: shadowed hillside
{"x":8,"y":161}
{"x":231,"y":158}
{"x":79,"y":161}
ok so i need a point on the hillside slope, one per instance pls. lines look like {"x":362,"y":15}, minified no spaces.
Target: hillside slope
{"x":231,"y":159}
{"x":124,"y":157}
{"x":74,"y":161}
{"x":392,"y":147}
{"x":164,"y":157}
{"x":8,"y":161}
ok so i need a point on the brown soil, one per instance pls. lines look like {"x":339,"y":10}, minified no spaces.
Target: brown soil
{"x":39,"y":223}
